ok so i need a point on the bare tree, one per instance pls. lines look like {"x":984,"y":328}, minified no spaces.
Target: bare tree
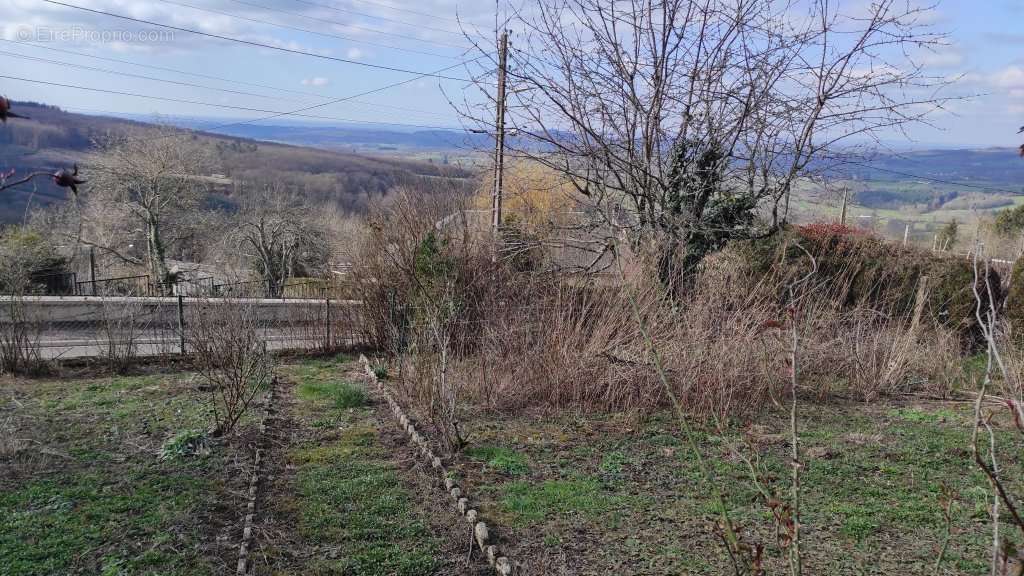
{"x":148,"y":184}
{"x":280,"y":237}
{"x":680,"y":119}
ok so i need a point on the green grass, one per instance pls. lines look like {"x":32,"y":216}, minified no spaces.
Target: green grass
{"x":500,"y":459}
{"x":528,"y":502}
{"x":108,"y":504}
{"x":348,"y":493}
{"x":339,"y":395}
{"x":872,"y":481}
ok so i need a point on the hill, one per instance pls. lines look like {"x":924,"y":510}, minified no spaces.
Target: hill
{"x":52,"y":138}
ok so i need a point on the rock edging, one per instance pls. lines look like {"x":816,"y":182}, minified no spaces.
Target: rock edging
{"x":481,"y":535}
{"x":254,"y":482}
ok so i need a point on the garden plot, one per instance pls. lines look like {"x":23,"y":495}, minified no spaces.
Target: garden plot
{"x":612,"y":495}
{"x":114,"y":476}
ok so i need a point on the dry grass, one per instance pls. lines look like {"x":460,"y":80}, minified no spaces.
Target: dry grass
{"x":468,"y":332}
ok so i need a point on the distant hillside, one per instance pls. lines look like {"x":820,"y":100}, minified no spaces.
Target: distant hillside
{"x":336,"y":137}
{"x":996,"y":167}
{"x":53,"y":138}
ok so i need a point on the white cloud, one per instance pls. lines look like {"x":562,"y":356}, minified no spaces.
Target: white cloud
{"x":945,"y":57}
{"x":315,"y":81}
{"x":354,"y":54}
{"x":1009,"y":77}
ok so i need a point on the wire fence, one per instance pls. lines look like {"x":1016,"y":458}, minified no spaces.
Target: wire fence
{"x":68,"y":284}
{"x":42,"y":328}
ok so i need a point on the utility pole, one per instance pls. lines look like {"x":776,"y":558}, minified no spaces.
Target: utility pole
{"x":499,"y":136}
{"x":846,"y":198}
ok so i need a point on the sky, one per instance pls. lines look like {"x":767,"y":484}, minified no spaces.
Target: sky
{"x":358,"y":38}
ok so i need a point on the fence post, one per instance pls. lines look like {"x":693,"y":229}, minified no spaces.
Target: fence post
{"x":181,"y":324}
{"x":92,"y":269}
{"x":327,"y":305}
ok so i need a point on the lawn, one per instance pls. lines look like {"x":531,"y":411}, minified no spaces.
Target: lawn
{"x":106,"y":476}
{"x":618,"y":495}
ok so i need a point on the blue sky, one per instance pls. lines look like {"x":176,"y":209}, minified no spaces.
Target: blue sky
{"x":987,"y":48}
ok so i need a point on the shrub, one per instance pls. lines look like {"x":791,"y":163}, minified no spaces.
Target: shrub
{"x":228,"y":349}
{"x":1015,"y":300}
{"x":860,"y":270}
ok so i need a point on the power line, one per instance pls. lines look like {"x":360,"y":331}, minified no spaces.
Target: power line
{"x":164,"y":69}
{"x":306,"y":30}
{"x":936,"y":180}
{"x":312,"y":107}
{"x":408,"y":11}
{"x":221,"y":79}
{"x":274,"y":113}
{"x":259,"y":44}
{"x":384,"y":18}
{"x":352,"y":26}
{"x":129,"y":75}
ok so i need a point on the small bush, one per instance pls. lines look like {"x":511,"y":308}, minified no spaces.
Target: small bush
{"x":348,"y":396}
{"x":230,"y":354}
{"x":381,"y":372}
{"x":185,"y":443}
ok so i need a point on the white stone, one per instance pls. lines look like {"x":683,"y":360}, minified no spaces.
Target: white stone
{"x":480,"y":530}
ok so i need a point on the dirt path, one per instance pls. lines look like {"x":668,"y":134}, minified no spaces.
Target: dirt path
{"x":345,"y":494}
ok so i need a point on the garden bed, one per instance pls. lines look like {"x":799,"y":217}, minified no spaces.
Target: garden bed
{"x":614,"y":495}
{"x":97,"y":477}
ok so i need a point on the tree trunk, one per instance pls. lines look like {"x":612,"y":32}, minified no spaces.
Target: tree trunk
{"x":155,"y":252}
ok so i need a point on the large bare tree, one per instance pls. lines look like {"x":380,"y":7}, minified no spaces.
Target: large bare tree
{"x":280,"y":236}
{"x":680,"y":119}
{"x":148,"y":184}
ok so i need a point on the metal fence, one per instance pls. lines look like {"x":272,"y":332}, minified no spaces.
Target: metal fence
{"x":51,"y":328}
{"x":141,"y":285}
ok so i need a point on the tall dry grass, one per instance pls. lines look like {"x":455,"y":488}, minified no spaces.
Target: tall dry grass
{"x":559,"y":344}
{"x":468,"y":332}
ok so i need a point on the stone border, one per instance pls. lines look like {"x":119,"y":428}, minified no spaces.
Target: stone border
{"x":481,"y":535}
{"x":254,"y":482}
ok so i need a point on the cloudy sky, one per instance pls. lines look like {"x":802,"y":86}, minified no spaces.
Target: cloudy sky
{"x":987,"y":49}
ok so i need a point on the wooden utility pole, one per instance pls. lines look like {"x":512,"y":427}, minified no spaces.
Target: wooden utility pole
{"x":846,"y":198}
{"x":499,"y":134}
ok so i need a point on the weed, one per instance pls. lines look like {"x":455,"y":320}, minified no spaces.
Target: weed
{"x":503,"y":460}
{"x":185,"y":443}
{"x":613,"y":463}
{"x":340,"y":395}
